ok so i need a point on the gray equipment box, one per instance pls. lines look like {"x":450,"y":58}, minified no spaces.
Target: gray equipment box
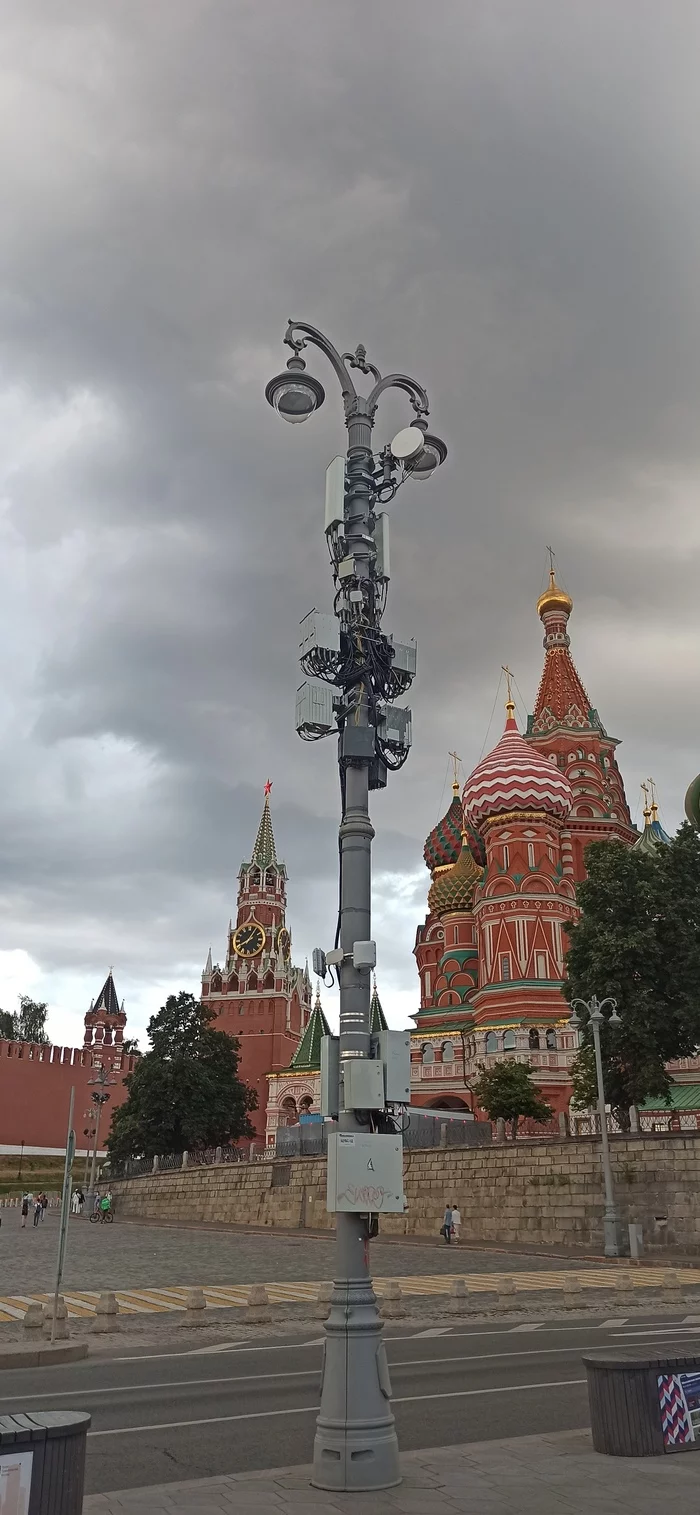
{"x":365,"y":1173}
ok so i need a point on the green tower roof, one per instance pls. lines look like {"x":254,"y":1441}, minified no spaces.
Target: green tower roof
{"x":307,"y":1058}
{"x":377,"y":1018}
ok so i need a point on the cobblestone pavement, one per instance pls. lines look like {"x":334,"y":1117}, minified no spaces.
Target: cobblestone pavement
{"x":139,"y":1256}
{"x":559,"y":1474}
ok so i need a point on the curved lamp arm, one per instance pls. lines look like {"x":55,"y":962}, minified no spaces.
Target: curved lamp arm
{"x":311,"y":334}
{"x":415,"y":392}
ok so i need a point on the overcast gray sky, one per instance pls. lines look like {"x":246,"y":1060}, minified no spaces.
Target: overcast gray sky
{"x":500,"y":198}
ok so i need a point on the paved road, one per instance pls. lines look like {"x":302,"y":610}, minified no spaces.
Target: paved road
{"x":136,"y":1256}
{"x":158,"y":1418}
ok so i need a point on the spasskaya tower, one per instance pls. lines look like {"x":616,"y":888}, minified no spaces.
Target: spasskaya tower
{"x":259,"y":996}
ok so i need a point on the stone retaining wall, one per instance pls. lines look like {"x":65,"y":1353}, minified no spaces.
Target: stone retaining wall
{"x":549,"y":1193}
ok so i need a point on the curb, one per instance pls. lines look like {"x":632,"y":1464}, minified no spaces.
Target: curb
{"x":43,"y":1356}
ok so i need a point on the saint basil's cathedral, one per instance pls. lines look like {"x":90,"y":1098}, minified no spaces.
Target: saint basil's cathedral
{"x":504,"y":863}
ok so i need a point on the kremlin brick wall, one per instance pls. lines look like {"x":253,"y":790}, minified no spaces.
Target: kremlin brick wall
{"x":543,"y":1193}
{"x":35,"y":1085}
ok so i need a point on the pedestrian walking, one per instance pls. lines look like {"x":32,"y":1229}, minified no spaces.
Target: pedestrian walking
{"x":81,"y":1201}
{"x":456,"y":1223}
{"x":25,"y":1209}
{"x":74,"y":1202}
{"x":37,"y":1210}
{"x":44,"y":1203}
{"x":446,"y":1227}
{"x":96,"y":1204}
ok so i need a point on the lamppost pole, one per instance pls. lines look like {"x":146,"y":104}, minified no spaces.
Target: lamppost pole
{"x":356,"y":1446}
{"x":101,"y":1082}
{"x":594,"y":1011}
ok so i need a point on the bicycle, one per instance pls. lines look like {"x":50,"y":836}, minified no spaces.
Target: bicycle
{"x":105,"y":1217}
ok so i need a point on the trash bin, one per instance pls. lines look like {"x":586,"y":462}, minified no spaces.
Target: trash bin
{"x":643,"y":1406}
{"x":42,"y":1462}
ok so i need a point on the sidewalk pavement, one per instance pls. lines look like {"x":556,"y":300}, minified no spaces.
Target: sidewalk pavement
{"x":559,"y":1474}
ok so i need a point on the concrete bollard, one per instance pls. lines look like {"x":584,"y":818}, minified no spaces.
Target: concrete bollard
{"x":457,"y":1302}
{"x":61,"y":1333}
{"x":33,"y":1322}
{"x":670,"y":1284}
{"x":507,"y":1292}
{"x":392,"y":1305}
{"x":622,"y":1286}
{"x":258,"y":1306}
{"x":106,"y":1314}
{"x":571,"y":1291}
{"x":195,"y":1308}
{"x":323,"y":1302}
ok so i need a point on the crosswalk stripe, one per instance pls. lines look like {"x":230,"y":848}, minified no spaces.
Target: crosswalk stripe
{"x":532,"y":1325}
{"x":608,"y":1324}
{"x":434,"y":1331}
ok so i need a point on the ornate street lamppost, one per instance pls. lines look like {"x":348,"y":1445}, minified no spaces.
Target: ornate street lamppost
{"x":101,"y":1084}
{"x":357,"y":671}
{"x":594,"y":1009}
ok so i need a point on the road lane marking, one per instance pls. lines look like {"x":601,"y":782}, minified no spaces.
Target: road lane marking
{"x":512,"y":1388}
{"x":533,"y":1325}
{"x":690,"y":1320}
{"x":214,"y":1420}
{"x":396,"y":1364}
{"x":607,"y":1325}
{"x":217,"y":1420}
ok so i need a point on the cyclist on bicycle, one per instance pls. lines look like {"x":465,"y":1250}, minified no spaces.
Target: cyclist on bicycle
{"x":106,"y":1202}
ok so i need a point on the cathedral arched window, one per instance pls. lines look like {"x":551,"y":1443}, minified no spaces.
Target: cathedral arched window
{"x":506,"y":857}
{"x":534,"y":1040}
{"x":448,"y":1052}
{"x":509,"y":1041}
{"x":269,"y":879}
{"x":531,"y":854}
{"x":491,"y":1042}
{"x":551,"y":1040}
{"x":428,"y":1053}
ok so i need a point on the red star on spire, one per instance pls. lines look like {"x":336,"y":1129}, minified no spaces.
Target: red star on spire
{"x":268,"y":787}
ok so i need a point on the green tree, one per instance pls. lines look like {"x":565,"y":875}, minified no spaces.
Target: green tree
{"x":30,"y":1020}
{"x":130,"y":1044}
{"x":506,"y":1092}
{"x":637,"y":940}
{"x":7,"y":1026}
{"x":185,"y":1092}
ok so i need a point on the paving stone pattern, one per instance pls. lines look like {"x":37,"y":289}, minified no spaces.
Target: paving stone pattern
{"x":142,"y":1256}
{"x":533,"y":1475}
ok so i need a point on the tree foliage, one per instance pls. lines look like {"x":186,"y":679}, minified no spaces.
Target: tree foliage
{"x":637,"y":940}
{"x":185,"y":1092}
{"x":28,"y":1024}
{"x":506,"y":1092}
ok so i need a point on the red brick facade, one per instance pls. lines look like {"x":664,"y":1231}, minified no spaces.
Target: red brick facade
{"x":259,"y":996}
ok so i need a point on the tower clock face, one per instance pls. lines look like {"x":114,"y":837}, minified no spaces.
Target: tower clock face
{"x":284,"y":941}
{"x":249,"y":940}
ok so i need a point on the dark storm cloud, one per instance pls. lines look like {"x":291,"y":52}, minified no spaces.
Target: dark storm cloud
{"x":500,"y":199}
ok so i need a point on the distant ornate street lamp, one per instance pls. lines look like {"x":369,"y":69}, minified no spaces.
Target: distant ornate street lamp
{"x":357,"y":671}
{"x":594,"y":1015}
{"x":101,"y":1084}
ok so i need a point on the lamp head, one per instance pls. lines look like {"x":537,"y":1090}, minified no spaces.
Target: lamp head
{"x":574,"y":1021}
{"x":615,"y":1019}
{"x":431,"y":455}
{"x":295,"y":395}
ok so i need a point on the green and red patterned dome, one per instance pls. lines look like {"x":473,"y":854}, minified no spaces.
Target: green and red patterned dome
{"x":444,"y":844}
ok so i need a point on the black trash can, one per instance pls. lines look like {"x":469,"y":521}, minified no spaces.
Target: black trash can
{"x":643,"y":1406}
{"x":42,"y":1461}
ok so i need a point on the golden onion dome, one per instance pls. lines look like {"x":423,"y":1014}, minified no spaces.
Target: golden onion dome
{"x":554,"y":598}
{"x":453,"y":887}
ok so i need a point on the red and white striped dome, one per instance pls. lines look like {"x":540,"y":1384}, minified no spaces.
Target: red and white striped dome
{"x":515,"y":776}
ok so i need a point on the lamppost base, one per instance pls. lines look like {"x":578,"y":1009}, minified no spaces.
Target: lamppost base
{"x":356,"y":1447}
{"x":612,"y":1238}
